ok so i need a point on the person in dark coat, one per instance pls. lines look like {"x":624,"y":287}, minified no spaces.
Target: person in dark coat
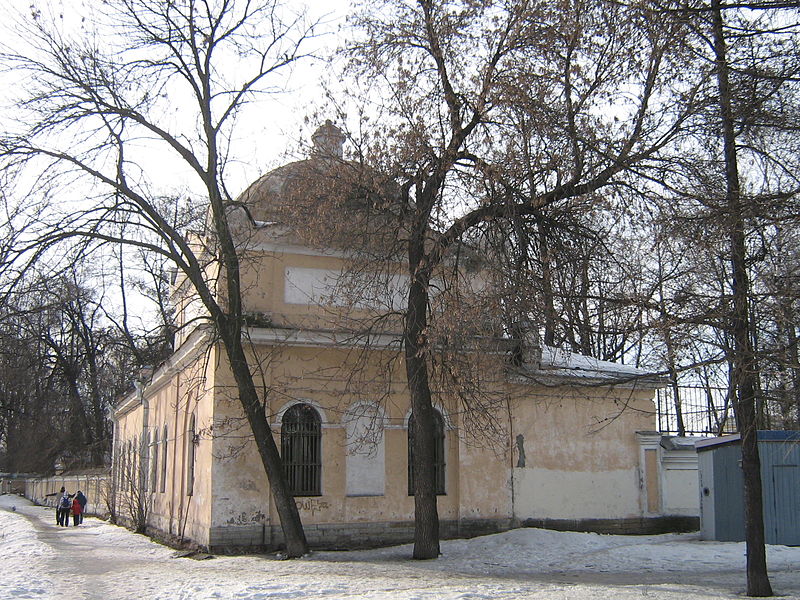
{"x":64,"y":507}
{"x":58,"y":496}
{"x":82,"y":501}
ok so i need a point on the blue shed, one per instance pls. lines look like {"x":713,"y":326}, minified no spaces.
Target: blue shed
{"x":722,"y":492}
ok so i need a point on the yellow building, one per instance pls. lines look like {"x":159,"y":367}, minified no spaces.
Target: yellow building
{"x":564,"y":450}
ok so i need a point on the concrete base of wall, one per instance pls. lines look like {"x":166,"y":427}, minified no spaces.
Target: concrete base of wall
{"x":630,"y":526}
{"x":344,"y":536}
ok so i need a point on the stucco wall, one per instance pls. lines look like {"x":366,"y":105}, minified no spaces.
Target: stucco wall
{"x":94,"y":485}
{"x":304,"y":288}
{"x":243,"y":508}
{"x":581,"y":455}
{"x":582,"y":458}
{"x":163,"y":417}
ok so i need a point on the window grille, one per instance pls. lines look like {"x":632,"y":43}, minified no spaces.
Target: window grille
{"x":301,"y":450}
{"x":439,"y":462}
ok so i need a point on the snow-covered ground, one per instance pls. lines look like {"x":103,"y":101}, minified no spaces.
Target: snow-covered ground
{"x":104,"y":562}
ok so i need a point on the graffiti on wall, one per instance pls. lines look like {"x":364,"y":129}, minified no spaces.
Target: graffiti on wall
{"x":247,"y":518}
{"x":312,"y":505}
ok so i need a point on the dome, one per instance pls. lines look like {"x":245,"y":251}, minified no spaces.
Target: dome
{"x":323,"y":197}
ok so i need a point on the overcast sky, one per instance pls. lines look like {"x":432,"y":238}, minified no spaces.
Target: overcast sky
{"x":272,"y":129}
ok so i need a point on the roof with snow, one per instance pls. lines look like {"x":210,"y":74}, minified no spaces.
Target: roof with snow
{"x":558,"y":365}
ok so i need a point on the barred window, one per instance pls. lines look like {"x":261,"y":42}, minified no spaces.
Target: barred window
{"x":438,"y":453}
{"x":301,"y":450}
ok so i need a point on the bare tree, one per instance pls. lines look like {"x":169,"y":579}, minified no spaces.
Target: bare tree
{"x":739,"y":182}
{"x":164,"y":79}
{"x":72,"y":364}
{"x":475,"y":87}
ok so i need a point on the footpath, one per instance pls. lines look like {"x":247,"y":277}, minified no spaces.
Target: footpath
{"x":93,"y":561}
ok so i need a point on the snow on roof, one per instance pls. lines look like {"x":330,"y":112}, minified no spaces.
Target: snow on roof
{"x":564,"y":364}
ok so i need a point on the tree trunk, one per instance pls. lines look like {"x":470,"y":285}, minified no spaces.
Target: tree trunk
{"x":794,"y":369}
{"x":229,"y":325}
{"x":426,"y":515}
{"x":670,"y":348}
{"x":547,"y":289}
{"x":743,"y":355}
{"x":296,"y":544}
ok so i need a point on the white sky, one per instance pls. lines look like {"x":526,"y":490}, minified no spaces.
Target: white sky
{"x":270,"y":129}
{"x":268,"y":133}
{"x":98,"y":561}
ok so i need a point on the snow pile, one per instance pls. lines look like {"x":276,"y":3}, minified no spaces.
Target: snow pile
{"x":19,"y":548}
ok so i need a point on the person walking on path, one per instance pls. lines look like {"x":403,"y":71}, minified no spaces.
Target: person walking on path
{"x":82,"y":501}
{"x":64,"y":506}
{"x":77,"y":512}
{"x":58,"y":495}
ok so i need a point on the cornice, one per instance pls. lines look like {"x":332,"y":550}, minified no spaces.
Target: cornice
{"x":191,"y":348}
{"x":321,"y":338}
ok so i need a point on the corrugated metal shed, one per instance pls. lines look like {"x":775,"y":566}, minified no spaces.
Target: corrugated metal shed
{"x":721,"y":487}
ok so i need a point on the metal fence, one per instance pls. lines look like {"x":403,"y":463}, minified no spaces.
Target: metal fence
{"x":702,"y":410}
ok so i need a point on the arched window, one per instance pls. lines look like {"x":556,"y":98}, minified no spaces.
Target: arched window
{"x":190,"y":454}
{"x":438,"y":453}
{"x":121,"y":455}
{"x":301,"y":450}
{"x":131,"y":471}
{"x":164,"y":460}
{"x":154,"y":462}
{"x":144,"y":461}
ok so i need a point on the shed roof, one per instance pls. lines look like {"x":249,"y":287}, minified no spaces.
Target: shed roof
{"x":762,"y":436}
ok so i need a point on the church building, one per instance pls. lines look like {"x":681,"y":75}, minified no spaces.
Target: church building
{"x":569,"y":446}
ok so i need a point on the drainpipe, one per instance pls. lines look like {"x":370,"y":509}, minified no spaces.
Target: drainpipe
{"x":144,"y":453}
{"x":111,"y":498}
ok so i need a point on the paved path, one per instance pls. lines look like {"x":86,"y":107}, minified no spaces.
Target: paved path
{"x":97,"y":561}
{"x":84,"y":564}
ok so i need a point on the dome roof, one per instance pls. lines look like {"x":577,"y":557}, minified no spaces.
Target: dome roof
{"x":275,"y":195}
{"x":324,"y":195}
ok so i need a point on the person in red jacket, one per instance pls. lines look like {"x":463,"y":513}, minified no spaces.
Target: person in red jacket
{"x":77,"y":509}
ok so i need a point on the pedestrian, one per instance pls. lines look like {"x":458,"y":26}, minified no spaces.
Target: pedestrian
{"x":77,"y":511}
{"x":83,"y":501}
{"x":58,"y":503}
{"x":64,"y":507}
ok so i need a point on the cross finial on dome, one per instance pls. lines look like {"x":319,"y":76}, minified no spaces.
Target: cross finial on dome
{"x":328,"y":141}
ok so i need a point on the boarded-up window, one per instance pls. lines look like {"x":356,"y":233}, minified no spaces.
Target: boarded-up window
{"x":154,"y":462}
{"x":121,"y":456}
{"x":144,"y":462}
{"x":365,"y":450}
{"x":131,"y":468}
{"x":301,"y":450}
